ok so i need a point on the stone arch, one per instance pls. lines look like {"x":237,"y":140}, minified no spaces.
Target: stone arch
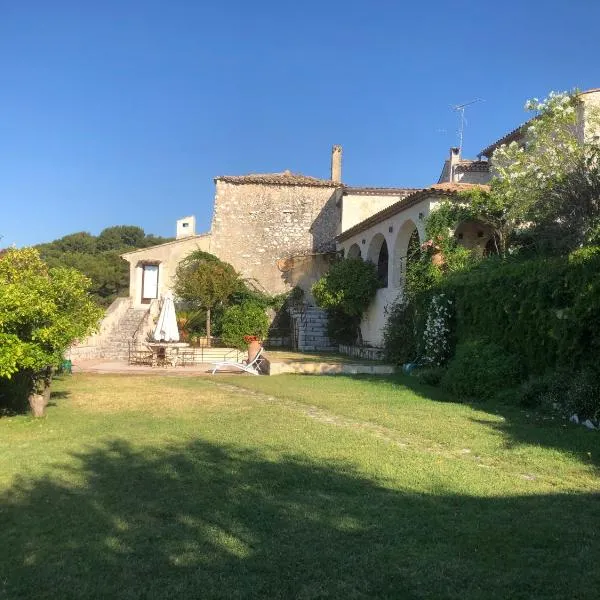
{"x":475,"y":235}
{"x":408,"y":243}
{"x":354,"y":251}
{"x":378,"y":254}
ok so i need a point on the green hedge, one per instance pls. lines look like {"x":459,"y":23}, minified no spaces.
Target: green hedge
{"x":546,"y":312}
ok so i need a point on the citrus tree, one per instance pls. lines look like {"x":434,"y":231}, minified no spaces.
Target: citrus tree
{"x":42,"y":312}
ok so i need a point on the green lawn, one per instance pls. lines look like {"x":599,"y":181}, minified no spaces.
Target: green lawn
{"x":293,"y":487}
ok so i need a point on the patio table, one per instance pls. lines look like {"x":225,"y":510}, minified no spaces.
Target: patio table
{"x":166,"y":352}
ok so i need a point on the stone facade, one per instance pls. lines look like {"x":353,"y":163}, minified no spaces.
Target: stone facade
{"x":260,"y":225}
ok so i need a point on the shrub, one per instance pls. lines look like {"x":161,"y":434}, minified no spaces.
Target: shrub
{"x":479,"y":369}
{"x":346,"y":292}
{"x":582,"y":396}
{"x":242,"y":320}
{"x":400,"y":333}
{"x":430,"y":375}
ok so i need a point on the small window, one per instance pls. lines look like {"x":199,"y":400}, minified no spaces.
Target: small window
{"x":185,"y":224}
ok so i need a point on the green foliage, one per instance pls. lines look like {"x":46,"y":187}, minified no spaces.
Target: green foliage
{"x":346,"y":292}
{"x":42,"y":312}
{"x":98,"y":258}
{"x":546,"y":311}
{"x":400,"y":341}
{"x":204,"y":282}
{"x":479,"y":369}
{"x":242,"y":320}
{"x":349,"y":286}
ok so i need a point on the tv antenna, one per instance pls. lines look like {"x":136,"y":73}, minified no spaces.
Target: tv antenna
{"x":460,"y":108}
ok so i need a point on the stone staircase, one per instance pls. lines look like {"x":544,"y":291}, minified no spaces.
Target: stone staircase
{"x":310,"y":324}
{"x":116,"y":344}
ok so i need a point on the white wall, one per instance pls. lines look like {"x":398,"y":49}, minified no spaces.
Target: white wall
{"x":358,"y":207}
{"x":402,"y":225}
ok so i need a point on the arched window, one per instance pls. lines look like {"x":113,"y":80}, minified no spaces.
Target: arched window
{"x":414,"y":247}
{"x":382,"y":264}
{"x":354,"y":251}
{"x":378,"y":255}
{"x":406,"y":247}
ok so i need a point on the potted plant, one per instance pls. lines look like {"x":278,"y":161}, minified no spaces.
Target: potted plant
{"x":253,"y":346}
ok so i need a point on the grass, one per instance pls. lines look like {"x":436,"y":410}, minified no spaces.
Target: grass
{"x":293,"y":487}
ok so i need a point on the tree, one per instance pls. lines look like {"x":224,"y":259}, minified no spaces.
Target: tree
{"x":204,"y":281}
{"x":121,"y":236}
{"x":241,"y":320}
{"x":42,"y":311}
{"x":346,"y":292}
{"x":569,"y":214}
{"x":553,"y":148}
{"x":99,"y":257}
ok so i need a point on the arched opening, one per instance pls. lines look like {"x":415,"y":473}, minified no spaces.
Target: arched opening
{"x":407,"y":246}
{"x":477,"y":236}
{"x":354,"y":251}
{"x":379,"y":256}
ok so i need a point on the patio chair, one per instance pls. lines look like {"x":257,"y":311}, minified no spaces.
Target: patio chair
{"x":138,"y":356}
{"x":252,"y":367}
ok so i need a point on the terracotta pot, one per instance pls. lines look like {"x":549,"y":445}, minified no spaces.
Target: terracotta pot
{"x":253,"y":348}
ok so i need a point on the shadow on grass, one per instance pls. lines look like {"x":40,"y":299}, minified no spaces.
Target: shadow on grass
{"x":204,"y":521}
{"x":520,"y":425}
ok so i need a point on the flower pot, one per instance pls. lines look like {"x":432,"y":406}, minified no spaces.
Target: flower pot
{"x":253,"y":349}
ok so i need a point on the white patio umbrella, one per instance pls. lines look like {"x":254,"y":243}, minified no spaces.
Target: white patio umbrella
{"x":166,"y":328}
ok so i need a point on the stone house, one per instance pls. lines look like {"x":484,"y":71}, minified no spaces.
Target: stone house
{"x":280,"y":230}
{"x":385,"y":238}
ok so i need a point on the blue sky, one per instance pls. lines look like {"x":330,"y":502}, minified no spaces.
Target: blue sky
{"x":123,"y":111}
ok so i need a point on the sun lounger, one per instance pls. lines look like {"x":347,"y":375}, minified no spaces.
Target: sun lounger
{"x":252,"y":367}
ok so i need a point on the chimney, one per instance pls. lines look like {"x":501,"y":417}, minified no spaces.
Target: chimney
{"x":454,"y":160}
{"x":336,"y":164}
{"x":186,"y":227}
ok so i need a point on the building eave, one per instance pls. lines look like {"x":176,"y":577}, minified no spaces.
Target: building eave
{"x":171,"y":243}
{"x":444,"y":189}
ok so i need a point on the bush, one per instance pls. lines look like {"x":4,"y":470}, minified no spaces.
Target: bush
{"x":242,"y":320}
{"x":430,"y":375}
{"x":346,"y":292}
{"x":545,"y":311}
{"x":399,"y":333}
{"x":480,"y":369}
{"x":582,"y":396}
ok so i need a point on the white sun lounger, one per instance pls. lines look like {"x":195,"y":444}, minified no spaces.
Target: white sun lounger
{"x":252,"y":367}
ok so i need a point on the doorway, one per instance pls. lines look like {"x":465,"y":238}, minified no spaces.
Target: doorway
{"x":149,"y":283}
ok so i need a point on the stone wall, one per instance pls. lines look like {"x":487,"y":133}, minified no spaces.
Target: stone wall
{"x":257,"y":227}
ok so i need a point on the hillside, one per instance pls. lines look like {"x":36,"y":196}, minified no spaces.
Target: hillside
{"x":98,"y":257}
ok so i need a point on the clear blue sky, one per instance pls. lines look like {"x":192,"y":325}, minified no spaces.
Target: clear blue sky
{"x":123,"y":111}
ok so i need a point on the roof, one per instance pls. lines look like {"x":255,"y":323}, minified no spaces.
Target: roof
{"x":377,"y":191}
{"x":285,"y":178}
{"x":513,"y":135}
{"x":438,"y":189}
{"x":183,"y":239}
{"x":516,"y":133}
{"x":468,"y":166}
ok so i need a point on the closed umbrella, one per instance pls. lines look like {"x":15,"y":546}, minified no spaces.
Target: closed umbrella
{"x":166,"y":329}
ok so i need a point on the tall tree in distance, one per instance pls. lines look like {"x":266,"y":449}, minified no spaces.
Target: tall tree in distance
{"x":204,"y":282}
{"x":98,"y":257}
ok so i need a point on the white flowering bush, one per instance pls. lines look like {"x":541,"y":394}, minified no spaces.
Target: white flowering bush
{"x":436,"y":337}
